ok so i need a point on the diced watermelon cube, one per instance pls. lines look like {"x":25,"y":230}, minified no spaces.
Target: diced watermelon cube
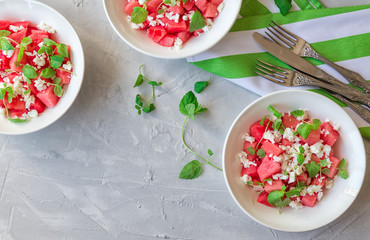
{"x":4,"y":62}
{"x":37,"y":37}
{"x":168,"y":40}
{"x":271,"y":148}
{"x":64,"y":76}
{"x":286,"y":142}
{"x":245,"y":149}
{"x":333,"y":168}
{"x":156,"y":33}
{"x":24,"y":24}
{"x":262,"y":198}
{"x":257,"y":131}
{"x":48,"y":97}
{"x":38,"y":105}
{"x":211,"y":11}
{"x":13,"y":61}
{"x":216,"y":2}
{"x":184,"y":36}
{"x":251,"y":171}
{"x":153,"y":5}
{"x":16,"y":113}
{"x":17,"y":36}
{"x":289,"y":121}
{"x":129,"y":8}
{"x":275,"y":186}
{"x":173,"y":27}
{"x":331,"y":137}
{"x":16,"y":103}
{"x":315,"y":158}
{"x":202,"y":5}
{"x":309,"y":200}
{"x":302,"y":177}
{"x":268,"y":168}
{"x":316,"y":180}
{"x":312,"y":138}
{"x":197,"y":32}
{"x":176,"y":9}
{"x":4,"y":24}
{"x":188,"y":5}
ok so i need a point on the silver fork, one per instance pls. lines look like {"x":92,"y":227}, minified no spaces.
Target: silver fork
{"x":291,"y":78}
{"x":302,"y":48}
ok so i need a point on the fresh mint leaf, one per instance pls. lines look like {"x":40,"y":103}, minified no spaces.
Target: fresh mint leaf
{"x":49,"y":51}
{"x":10,"y":93}
{"x":262,"y":122}
{"x":190,"y":108}
{"x":300,"y":159}
{"x":153,"y":83}
{"x":301,"y":184}
{"x":342,"y":163}
{"x":285,"y":202}
{"x":48,"y":73}
{"x":268,"y":179}
{"x":276,"y":125}
{"x":316,"y":124}
{"x":160,"y":11}
{"x":188,"y":98}
{"x":284,"y":6}
{"x":184,"y":1}
{"x":197,"y":21}
{"x":274,"y":197}
{"x":210,"y":153}
{"x":323,"y":163}
{"x":139,"y":15}
{"x":29,"y":71}
{"x":57,"y":80}
{"x":191,"y":170}
{"x":63,"y":50}
{"x":41,"y":50}
{"x":48,"y":42}
{"x":261,"y":153}
{"x":26,"y":41}
{"x":5,"y":45}
{"x":56,"y":61}
{"x":304,"y":130}
{"x":2,"y":93}
{"x":251,"y":150}
{"x":274,"y":111}
{"x":343,"y":173}
{"x":27,"y":91}
{"x":4,"y":33}
{"x":250,"y":183}
{"x":297,"y":113}
{"x":138,"y":100}
{"x":20,"y":53}
{"x":325,"y":171}
{"x":58,"y":90}
{"x":293,"y":192}
{"x":313,"y":169}
{"x":200,"y":86}
{"x":149,"y":109}
{"x":17,"y":120}
{"x":139,"y":80}
{"x":301,"y":149}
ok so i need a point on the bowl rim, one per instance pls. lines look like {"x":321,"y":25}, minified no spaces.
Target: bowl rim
{"x":105,"y":2}
{"x":78,"y":40}
{"x":357,"y":132}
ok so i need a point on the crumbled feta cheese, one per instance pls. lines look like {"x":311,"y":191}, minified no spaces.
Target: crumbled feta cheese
{"x":3,"y":74}
{"x":248,"y":138}
{"x":326,"y":133}
{"x":141,"y":2}
{"x":33,"y":114}
{"x":319,"y":196}
{"x":185,"y":18}
{"x":246,"y":178}
{"x":327,"y":150}
{"x":29,"y":54}
{"x":269,"y":182}
{"x":220,"y":7}
{"x":39,"y":60}
{"x":312,"y":189}
{"x":40,"y":84}
{"x":329,"y":183}
{"x":8,"y":53}
{"x":17,"y":85}
{"x":244,"y":160}
{"x":258,"y":188}
{"x":41,"y":44}
{"x":67,"y":66}
{"x":270,"y":155}
{"x":291,"y":177}
{"x":317,"y":149}
{"x":299,"y":170}
{"x":28,"y":99}
{"x":43,"y":26}
{"x":178,"y":44}
{"x":276,"y":159}
{"x":336,"y":126}
{"x":137,"y":26}
{"x":269,"y":136}
{"x":15,"y":28}
{"x":288,"y":134}
{"x":295,"y":204}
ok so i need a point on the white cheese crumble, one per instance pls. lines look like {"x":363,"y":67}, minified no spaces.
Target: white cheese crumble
{"x":291,"y":177}
{"x":15,"y":28}
{"x":220,"y":7}
{"x":141,"y":2}
{"x":248,"y":138}
{"x":329,"y":183}
{"x":244,"y":160}
{"x":317,"y":149}
{"x":29,"y":99}
{"x":43,"y":26}
{"x":288,"y":134}
{"x":33,"y":114}
{"x":246,"y":178}
{"x":319,"y":195}
{"x":276,"y":159}
{"x":40,"y":84}
{"x":312,"y":189}
{"x":178,"y":44}
{"x":67,"y":66}
{"x":137,"y":26}
{"x":326,"y":150}
{"x":8,"y":53}
{"x":39,"y":60}
{"x":295,"y":204}
{"x":269,"y":136}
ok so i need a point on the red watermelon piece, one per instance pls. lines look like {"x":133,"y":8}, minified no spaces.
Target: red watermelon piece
{"x":176,"y":9}
{"x":38,"y":106}
{"x":18,"y":36}
{"x":202,"y":5}
{"x":262,"y":198}
{"x":271,"y":148}
{"x":184,"y":36}
{"x":211,"y":11}
{"x":312,"y":138}
{"x":156,"y":33}
{"x":64,"y":76}
{"x":252,"y":145}
{"x":216,"y":2}
{"x":333,"y":135}
{"x":4,"y":24}
{"x":168,"y":40}
{"x":268,"y":168}
{"x":275,"y":186}
{"x":333,"y":168}
{"x":153,"y":5}
{"x":129,"y":8}
{"x":188,"y":5}
{"x":251,"y":171}
{"x":48,"y":97}
{"x":173,"y":27}
{"x":13,"y":61}
{"x":309,"y":200}
{"x":289,"y":121}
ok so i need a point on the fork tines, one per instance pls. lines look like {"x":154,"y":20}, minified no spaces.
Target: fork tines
{"x":271,"y":72}
{"x":286,"y":37}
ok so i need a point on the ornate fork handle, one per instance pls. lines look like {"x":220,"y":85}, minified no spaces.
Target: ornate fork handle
{"x":360,"y":110}
{"x":343,"y":89}
{"x":352,"y":77}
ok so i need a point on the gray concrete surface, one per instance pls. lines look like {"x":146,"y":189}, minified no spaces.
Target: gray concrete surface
{"x":103,"y":172}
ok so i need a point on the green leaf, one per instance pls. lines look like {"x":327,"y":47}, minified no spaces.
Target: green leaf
{"x":160,"y":11}
{"x":267,"y":179}
{"x":263,"y":120}
{"x":154,"y":83}
{"x":316,"y":124}
{"x":197,"y":21}
{"x":276,"y":125}
{"x":57,"y":80}
{"x":28,"y":80}
{"x":4,"y":33}
{"x":251,"y":150}
{"x":10,"y":93}
{"x":301,"y":184}
{"x":26,"y":41}
{"x":49,"y":51}
{"x":48,"y":42}
{"x":139,"y":80}
{"x":56,"y":61}
{"x":200,"y":86}
{"x":2,"y":93}
{"x":325,"y":171}
{"x":138,"y":100}
{"x":63,"y":50}
{"x":300,"y":159}
{"x":188,"y":98}
{"x":20,"y":54}
{"x":149,"y":109}
{"x":323,"y":163}
{"x":5,"y":45}
{"x":297,"y":113}
{"x":27,"y":91}
{"x":250,"y":183}
{"x":58,"y":90}
{"x":343,"y":173}
{"x":304,"y":130}
{"x":284,"y":6}
{"x":210,"y":153}
{"x":274,"y":197}
{"x":17,"y":120}
{"x":191,"y":170}
{"x":301,"y":149}
{"x":261,"y":153}
{"x":313,"y":169}
{"x":29,"y":71}
{"x":48,"y":73}
{"x":274,"y":111}
{"x":201,"y":109}
{"x":342,"y":163}
{"x":293,"y":192}
{"x":139,"y":15}
{"x":41,"y":50}
{"x":184,"y":1}
{"x":285,"y":203}
{"x":190,"y":108}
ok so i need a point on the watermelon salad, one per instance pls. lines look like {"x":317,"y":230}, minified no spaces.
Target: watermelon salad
{"x":171,"y":23}
{"x":34,"y":68}
{"x":288,"y":159}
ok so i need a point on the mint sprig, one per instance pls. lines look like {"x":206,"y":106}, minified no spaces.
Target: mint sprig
{"x":197,"y":21}
{"x":5,"y":44}
{"x":312,"y":168}
{"x":305,"y":128}
{"x":23,"y":46}
{"x":3,"y":91}
{"x":140,"y":105}
{"x":190,"y":107}
{"x":139,"y":14}
{"x":200,"y":86}
{"x":342,"y":171}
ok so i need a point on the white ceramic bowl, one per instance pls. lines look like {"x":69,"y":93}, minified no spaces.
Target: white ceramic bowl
{"x":335,"y":201}
{"x":36,"y":12}
{"x":141,"y":42}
